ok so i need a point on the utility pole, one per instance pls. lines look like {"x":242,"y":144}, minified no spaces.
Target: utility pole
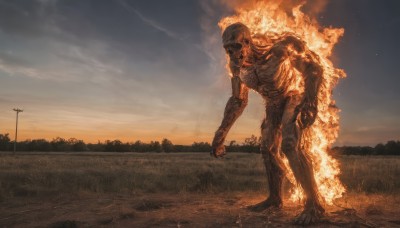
{"x":16,"y":128}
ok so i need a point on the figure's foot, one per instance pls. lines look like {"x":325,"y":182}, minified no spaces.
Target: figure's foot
{"x":311,"y":214}
{"x":266,"y":204}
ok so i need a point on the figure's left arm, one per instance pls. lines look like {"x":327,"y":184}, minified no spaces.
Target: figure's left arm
{"x":308,"y":64}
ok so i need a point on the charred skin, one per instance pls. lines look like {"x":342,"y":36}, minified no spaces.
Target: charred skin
{"x":288,"y":113}
{"x":234,"y":108}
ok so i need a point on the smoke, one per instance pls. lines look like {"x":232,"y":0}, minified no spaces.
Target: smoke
{"x":213,"y":11}
{"x":314,"y":8}
{"x":311,"y":8}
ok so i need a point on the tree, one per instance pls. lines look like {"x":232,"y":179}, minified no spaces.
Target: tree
{"x":117,"y":146}
{"x":98,"y":147}
{"x":5,"y":142}
{"x":167,"y":145}
{"x":392,"y":147}
{"x":155,"y":146}
{"x":60,"y":144}
{"x":137,"y":146}
{"x":252,"y":141}
{"x":36,"y":145}
{"x":201,"y":147}
{"x":233,"y":146}
{"x":77,"y":145}
{"x":251,"y":144}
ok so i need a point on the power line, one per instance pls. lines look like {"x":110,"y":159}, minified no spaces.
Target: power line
{"x":17,"y":110}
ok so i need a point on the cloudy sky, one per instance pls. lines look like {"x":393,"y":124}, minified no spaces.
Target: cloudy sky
{"x":147,"y":70}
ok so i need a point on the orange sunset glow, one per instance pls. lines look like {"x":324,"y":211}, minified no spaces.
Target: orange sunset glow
{"x":103,"y":79}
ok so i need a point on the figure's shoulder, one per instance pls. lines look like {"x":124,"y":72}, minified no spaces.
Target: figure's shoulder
{"x":278,"y":45}
{"x":292,"y":41}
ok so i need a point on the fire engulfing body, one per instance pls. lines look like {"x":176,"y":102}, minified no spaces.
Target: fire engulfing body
{"x":283,"y":55}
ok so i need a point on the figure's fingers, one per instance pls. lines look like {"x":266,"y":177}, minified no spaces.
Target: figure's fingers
{"x":313,"y":117}
{"x":221,"y":155}
{"x":222,"y":152}
{"x":307,"y":119}
{"x":300,"y":122}
{"x":213,"y":153}
{"x":218,"y":152}
{"x":303,"y":120}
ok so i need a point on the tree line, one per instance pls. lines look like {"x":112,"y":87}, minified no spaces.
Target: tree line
{"x":59,"y":144}
{"x":250,"y":145}
{"x":391,"y":147}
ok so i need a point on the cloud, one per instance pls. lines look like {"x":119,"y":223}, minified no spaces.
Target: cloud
{"x":63,"y":62}
{"x":92,"y":67}
{"x":12,"y":64}
{"x":166,"y":31}
{"x":150,"y":22}
{"x":9,"y":58}
{"x":19,"y":18}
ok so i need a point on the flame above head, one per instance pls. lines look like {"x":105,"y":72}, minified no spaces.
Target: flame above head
{"x":265,"y":18}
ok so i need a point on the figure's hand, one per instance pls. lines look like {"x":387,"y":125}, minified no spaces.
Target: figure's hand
{"x":218,"y":151}
{"x":308,"y":113}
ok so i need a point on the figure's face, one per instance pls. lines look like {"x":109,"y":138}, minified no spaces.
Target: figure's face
{"x":237,"y":52}
{"x":236,"y":42}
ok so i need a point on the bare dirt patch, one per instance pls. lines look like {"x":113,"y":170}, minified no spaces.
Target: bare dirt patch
{"x":188,"y":210}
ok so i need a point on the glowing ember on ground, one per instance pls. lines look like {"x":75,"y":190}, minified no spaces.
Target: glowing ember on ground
{"x":268,"y":19}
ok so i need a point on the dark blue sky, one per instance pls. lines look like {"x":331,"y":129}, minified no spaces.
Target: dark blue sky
{"x":370,"y":96}
{"x":95,"y":69}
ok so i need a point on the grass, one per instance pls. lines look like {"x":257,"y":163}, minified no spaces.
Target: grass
{"x":51,"y":174}
{"x":371,"y":174}
{"x":177,"y":190}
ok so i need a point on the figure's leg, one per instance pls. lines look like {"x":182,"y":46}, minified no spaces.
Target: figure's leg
{"x":270,"y":145}
{"x":300,"y":162}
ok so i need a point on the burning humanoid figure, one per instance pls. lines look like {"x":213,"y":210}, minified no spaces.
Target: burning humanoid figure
{"x":290,"y":105}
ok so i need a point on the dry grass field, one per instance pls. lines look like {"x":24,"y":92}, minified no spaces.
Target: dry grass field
{"x":177,"y":190}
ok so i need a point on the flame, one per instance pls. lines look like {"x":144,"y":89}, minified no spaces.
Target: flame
{"x":265,"y":18}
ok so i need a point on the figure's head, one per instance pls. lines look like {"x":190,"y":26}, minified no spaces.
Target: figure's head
{"x":236,"y":39}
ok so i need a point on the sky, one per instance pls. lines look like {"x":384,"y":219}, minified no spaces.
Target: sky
{"x":147,"y":70}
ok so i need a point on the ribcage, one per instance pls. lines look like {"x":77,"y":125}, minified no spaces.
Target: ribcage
{"x":278,"y":79}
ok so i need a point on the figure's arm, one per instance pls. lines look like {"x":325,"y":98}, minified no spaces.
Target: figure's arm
{"x":234,"y":108}
{"x":308,"y":64}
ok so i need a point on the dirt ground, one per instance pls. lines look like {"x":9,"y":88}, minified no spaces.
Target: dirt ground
{"x":178,"y":190}
{"x":188,"y":210}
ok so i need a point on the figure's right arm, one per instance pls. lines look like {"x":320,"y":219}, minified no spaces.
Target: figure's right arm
{"x":234,"y":108}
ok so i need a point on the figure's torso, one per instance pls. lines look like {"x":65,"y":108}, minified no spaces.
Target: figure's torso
{"x":273,"y":77}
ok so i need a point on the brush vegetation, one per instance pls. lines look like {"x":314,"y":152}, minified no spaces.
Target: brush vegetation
{"x":43,"y":174}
